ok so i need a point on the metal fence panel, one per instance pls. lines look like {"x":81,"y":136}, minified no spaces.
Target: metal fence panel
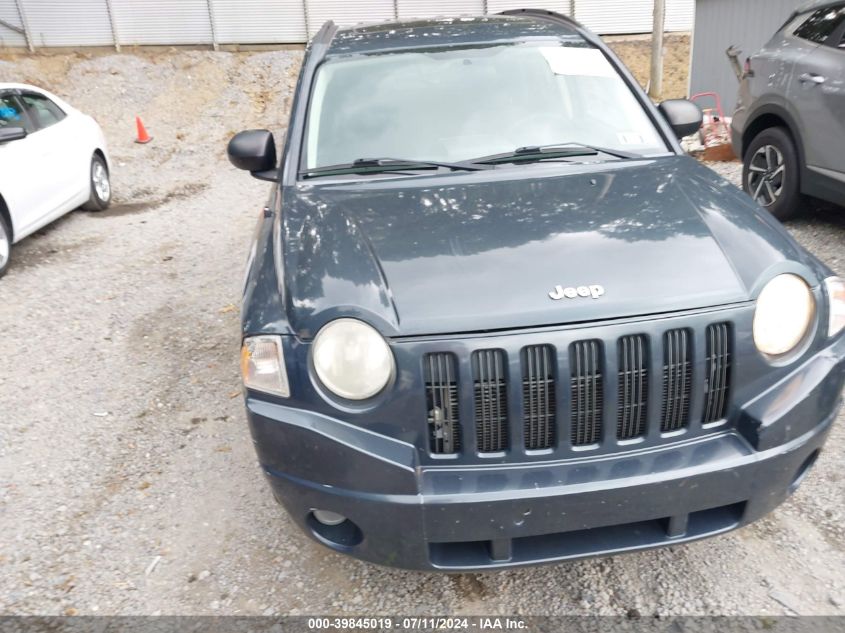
{"x":259,"y":21}
{"x":9,"y":14}
{"x":88,"y":22}
{"x":561,"y":6}
{"x":615,"y":16}
{"x":161,"y":21}
{"x":345,"y":12}
{"x":632,"y":16}
{"x":428,"y":8}
{"x":679,"y":15}
{"x":77,"y":23}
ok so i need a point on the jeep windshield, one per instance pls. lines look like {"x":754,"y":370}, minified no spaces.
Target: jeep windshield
{"x":461,"y":104}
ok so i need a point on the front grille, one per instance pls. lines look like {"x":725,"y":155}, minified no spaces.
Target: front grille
{"x":587,"y":399}
{"x":491,"y":403}
{"x":633,"y":386}
{"x":441,"y":390}
{"x":718,"y":372}
{"x":677,"y":379}
{"x":538,"y":396}
{"x":530,"y":416}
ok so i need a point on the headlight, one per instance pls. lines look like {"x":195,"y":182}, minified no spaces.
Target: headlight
{"x":784,"y":312}
{"x":263,"y":365}
{"x":835,"y":288}
{"x":352,"y":359}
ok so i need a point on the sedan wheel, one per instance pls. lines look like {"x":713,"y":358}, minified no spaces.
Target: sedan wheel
{"x":100,"y":185}
{"x":766,"y":174}
{"x":100,"y":178}
{"x":5,"y":247}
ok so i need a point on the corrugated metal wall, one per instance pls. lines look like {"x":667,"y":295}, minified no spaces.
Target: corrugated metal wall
{"x":719,"y":24}
{"x":130,"y":22}
{"x":427,"y":8}
{"x":51,"y":23}
{"x":159,"y":21}
{"x":561,"y":6}
{"x":258,"y":21}
{"x":346,"y":12}
{"x":632,"y":16}
{"x":9,"y":14}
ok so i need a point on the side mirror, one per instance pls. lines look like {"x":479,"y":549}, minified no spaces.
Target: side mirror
{"x":683,"y":115}
{"x":8,"y":134}
{"x":254,"y":151}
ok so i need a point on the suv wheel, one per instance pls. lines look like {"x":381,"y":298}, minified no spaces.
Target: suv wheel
{"x":5,"y":246}
{"x":770,"y":172}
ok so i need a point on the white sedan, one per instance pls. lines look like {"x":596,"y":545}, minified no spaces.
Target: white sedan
{"x":53,"y":159}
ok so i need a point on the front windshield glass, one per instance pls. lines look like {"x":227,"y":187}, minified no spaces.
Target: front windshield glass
{"x":458,"y":104}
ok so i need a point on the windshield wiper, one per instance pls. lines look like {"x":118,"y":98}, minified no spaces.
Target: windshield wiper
{"x":383,"y":165}
{"x":553,"y":150}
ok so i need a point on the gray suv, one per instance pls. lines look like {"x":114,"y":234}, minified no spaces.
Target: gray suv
{"x":789,"y":124}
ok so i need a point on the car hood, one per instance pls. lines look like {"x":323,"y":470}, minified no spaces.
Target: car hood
{"x":482,"y":251}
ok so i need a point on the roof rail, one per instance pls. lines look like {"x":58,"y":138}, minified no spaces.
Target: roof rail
{"x":543,"y":14}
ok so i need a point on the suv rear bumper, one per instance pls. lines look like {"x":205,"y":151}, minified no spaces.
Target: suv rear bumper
{"x":470,"y":517}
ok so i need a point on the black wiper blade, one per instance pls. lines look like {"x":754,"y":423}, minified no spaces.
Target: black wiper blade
{"x":384,"y":165}
{"x":552,"y":150}
{"x":587,"y":149}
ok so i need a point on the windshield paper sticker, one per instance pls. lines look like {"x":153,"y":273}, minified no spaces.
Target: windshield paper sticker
{"x":583,"y":62}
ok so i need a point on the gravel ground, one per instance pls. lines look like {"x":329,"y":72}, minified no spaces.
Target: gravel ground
{"x":128,"y":482}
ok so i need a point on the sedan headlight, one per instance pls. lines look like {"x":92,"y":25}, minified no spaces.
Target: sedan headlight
{"x":263,"y":365}
{"x":835,"y":288}
{"x":784,"y":313}
{"x":351,"y":359}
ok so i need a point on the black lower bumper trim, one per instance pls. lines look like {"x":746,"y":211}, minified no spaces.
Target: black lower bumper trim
{"x":612,"y":539}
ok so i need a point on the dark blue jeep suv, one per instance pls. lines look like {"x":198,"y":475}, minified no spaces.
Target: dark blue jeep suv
{"x":493,"y":316}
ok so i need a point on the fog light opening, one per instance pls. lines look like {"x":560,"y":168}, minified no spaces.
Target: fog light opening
{"x":805,"y":467}
{"x":327,"y":517}
{"x":334,"y":530}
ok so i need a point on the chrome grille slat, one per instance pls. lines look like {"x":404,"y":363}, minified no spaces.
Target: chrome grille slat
{"x":677,"y":383}
{"x":488,"y":369}
{"x":441,"y":385}
{"x":538,"y":397}
{"x":587,"y":392}
{"x":717,"y":378}
{"x":633,"y":387}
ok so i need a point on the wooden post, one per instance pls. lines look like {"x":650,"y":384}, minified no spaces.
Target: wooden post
{"x":655,"y":84}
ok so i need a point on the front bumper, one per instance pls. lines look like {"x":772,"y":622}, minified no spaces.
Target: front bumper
{"x":406,"y":513}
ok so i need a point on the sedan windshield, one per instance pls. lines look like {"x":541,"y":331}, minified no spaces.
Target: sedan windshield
{"x":459,"y":104}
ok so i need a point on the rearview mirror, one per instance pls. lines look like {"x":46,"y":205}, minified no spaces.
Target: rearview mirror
{"x":254,"y":151}
{"x":683,"y":115}
{"x":8,"y":134}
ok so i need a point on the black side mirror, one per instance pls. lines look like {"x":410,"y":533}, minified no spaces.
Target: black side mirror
{"x":8,"y":134}
{"x":254,"y":151}
{"x":683,"y":115}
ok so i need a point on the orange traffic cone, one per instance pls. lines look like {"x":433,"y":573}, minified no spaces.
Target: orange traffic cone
{"x":142,"y":137}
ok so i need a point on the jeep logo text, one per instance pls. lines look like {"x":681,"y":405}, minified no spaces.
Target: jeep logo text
{"x":581,"y":291}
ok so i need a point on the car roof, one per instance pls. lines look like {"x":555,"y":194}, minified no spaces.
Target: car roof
{"x":14,"y":86}
{"x":814,"y":5}
{"x":442,"y":32}
{"x":64,"y":105}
